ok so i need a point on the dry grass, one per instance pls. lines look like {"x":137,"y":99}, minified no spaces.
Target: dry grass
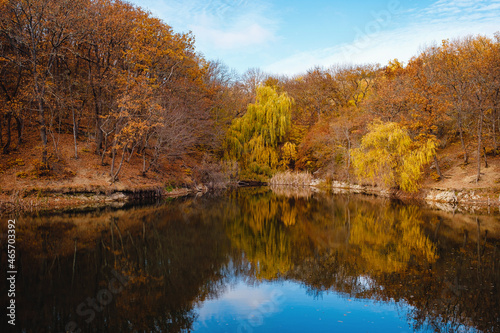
{"x":292,"y":178}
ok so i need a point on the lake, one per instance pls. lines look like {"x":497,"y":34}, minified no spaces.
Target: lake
{"x":257,"y":260}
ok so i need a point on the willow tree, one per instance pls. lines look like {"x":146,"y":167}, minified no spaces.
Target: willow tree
{"x":388,"y":153}
{"x":254,"y":140}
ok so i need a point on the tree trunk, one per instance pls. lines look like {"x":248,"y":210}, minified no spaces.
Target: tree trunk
{"x":1,"y":131}
{"x":75,"y":132}
{"x":114,"y":177}
{"x":498,"y":122}
{"x":98,"y":134}
{"x":113,"y":156}
{"x":460,"y":130}
{"x":153,"y":161}
{"x":479,"y":144}
{"x":41,"y":121}
{"x":6,"y":148}
{"x":132,"y":151}
{"x":105,"y":148}
{"x":494,"y":128}
{"x":39,"y":93}
{"x":43,"y":133}
{"x":438,"y":170}
{"x":19,"y":125}
{"x":485,"y":159}
{"x":54,"y":135}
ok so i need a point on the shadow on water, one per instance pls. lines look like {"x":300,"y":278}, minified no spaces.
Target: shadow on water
{"x":149,"y":268}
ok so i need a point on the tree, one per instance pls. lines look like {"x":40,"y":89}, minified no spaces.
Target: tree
{"x":40,"y":29}
{"x":13,"y":75}
{"x":254,"y":139}
{"x":388,"y":152}
{"x":229,"y":101}
{"x":427,"y":113}
{"x":389,"y":100}
{"x":252,"y":78}
{"x":453,"y":76}
{"x":481,"y":53}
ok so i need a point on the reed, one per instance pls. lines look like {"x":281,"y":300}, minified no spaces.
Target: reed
{"x":292,"y":178}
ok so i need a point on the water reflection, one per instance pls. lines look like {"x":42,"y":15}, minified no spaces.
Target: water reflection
{"x":254,"y":258}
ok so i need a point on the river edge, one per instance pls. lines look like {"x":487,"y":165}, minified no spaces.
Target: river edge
{"x":62,"y":198}
{"x":56,"y":199}
{"x":452,"y":200}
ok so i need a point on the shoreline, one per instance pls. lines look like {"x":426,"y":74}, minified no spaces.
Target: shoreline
{"x":62,"y":198}
{"x":445,"y":199}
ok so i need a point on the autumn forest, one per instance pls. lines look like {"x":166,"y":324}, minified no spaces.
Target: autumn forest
{"x":145,"y":187}
{"x":109,"y":75}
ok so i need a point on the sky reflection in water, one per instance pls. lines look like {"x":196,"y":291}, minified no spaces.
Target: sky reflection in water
{"x":288,"y":307}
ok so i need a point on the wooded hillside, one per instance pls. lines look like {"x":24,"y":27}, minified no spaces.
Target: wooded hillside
{"x":113,"y":76}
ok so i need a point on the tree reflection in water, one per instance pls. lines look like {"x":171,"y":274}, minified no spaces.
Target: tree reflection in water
{"x":190,"y":250}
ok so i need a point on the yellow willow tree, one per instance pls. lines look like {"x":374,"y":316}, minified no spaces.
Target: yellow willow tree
{"x":254,"y":140}
{"x":387,"y":152}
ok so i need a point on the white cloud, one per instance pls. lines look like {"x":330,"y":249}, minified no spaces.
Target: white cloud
{"x":445,"y":7}
{"x":226,"y":24}
{"x":445,"y":19}
{"x":240,"y":301}
{"x":234,"y":38}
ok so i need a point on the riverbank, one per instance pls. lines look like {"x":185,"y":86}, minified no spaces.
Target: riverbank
{"x":446,"y":199}
{"x":456,"y":191}
{"x":40,"y":195}
{"x":85,"y":182}
{"x":72,"y":183}
{"x":64,"y":198}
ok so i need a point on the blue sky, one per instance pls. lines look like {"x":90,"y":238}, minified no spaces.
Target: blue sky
{"x":291,"y":36}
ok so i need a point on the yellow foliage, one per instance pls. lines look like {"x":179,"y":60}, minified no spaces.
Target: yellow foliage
{"x":22,"y":174}
{"x":255,"y":138}
{"x":387,"y":152}
{"x":288,"y":154}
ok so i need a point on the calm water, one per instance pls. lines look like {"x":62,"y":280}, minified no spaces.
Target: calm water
{"x":254,"y":260}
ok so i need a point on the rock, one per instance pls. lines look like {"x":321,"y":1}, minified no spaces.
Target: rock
{"x":201,"y":188}
{"x":117,"y":196}
{"x":317,"y":182}
{"x":441,"y":196}
{"x":337,"y":184}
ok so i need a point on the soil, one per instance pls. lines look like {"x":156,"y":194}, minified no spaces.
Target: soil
{"x":460,"y":178}
{"x":463,"y":177}
{"x":82,"y":181}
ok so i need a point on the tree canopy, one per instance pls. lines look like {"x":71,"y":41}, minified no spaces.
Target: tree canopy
{"x":255,"y":139}
{"x":388,"y":152}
